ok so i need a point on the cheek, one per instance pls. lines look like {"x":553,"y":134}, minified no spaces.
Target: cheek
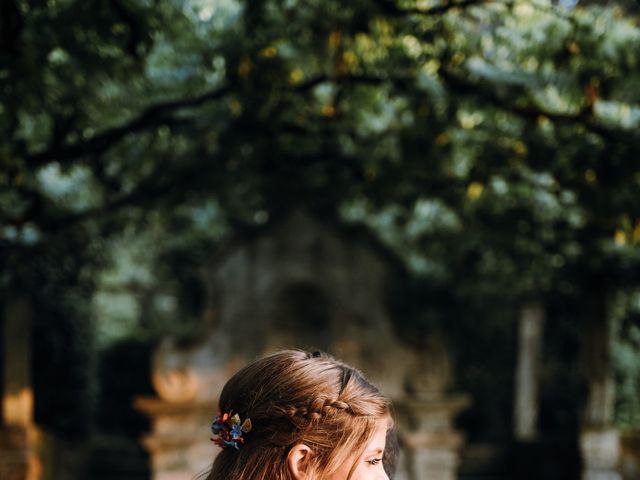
{"x":365,"y":471}
{"x":343,"y":473}
{"x":358,"y":474}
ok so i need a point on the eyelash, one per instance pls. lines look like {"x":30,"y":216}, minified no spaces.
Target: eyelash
{"x":375,"y":461}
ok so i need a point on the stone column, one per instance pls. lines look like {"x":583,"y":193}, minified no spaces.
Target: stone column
{"x":427,"y":415}
{"x":19,"y":438}
{"x":599,"y":440}
{"x":17,"y":398}
{"x":528,"y":372}
{"x":434,"y":446}
{"x":188,"y":381}
{"x":19,"y":458}
{"x":178,"y":444}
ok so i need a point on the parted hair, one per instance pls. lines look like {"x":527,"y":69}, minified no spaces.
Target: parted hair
{"x":294,"y":397}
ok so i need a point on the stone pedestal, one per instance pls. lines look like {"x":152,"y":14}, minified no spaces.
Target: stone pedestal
{"x":432,"y":444}
{"x":434,"y":455}
{"x":178,"y":444}
{"x":19,"y":453}
{"x":600,"y":450}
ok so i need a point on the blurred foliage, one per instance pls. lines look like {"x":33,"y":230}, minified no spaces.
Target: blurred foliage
{"x":493,"y":145}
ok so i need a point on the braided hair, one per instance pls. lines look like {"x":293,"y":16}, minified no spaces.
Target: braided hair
{"x":294,"y":397}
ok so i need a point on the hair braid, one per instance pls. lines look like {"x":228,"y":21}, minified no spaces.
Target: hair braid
{"x":292,"y":397}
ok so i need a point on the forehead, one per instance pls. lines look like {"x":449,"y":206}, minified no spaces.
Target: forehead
{"x":379,"y":437}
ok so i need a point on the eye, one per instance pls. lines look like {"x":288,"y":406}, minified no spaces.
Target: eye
{"x":374,"y":461}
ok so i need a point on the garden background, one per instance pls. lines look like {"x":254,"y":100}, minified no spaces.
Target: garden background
{"x":492,"y":147}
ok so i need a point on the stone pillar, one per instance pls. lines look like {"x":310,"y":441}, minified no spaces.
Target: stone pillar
{"x":19,"y":459}
{"x":434,"y":446}
{"x":427,"y":416}
{"x":19,"y":438}
{"x":17,"y":394}
{"x":525,"y":414}
{"x":178,"y":444}
{"x":599,"y":440}
{"x":188,"y":381}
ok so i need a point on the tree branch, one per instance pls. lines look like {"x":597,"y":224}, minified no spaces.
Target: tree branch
{"x":585,"y":116}
{"x":461,"y":86}
{"x":389,"y":7}
{"x":342,"y":79}
{"x":152,"y":116}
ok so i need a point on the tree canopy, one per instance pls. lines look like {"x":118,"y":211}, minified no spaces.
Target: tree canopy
{"x":493,"y":145}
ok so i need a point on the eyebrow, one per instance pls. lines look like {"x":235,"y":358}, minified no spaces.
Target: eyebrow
{"x":379,"y":450}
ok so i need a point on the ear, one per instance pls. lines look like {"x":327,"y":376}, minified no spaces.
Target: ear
{"x":298,"y":461}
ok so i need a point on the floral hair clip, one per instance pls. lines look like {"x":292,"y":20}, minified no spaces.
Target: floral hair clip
{"x":230,"y":430}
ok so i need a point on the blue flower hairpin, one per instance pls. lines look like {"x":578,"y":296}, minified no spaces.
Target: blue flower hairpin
{"x":230,"y":430}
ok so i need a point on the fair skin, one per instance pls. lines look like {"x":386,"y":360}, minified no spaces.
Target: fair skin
{"x":368,"y":465}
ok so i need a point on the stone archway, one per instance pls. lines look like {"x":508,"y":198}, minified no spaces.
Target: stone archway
{"x":301,"y":316}
{"x":300,"y":283}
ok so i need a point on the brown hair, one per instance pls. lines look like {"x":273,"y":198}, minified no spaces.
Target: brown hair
{"x":295,"y":397}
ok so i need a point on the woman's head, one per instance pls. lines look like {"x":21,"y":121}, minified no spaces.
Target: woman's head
{"x":312,"y":417}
